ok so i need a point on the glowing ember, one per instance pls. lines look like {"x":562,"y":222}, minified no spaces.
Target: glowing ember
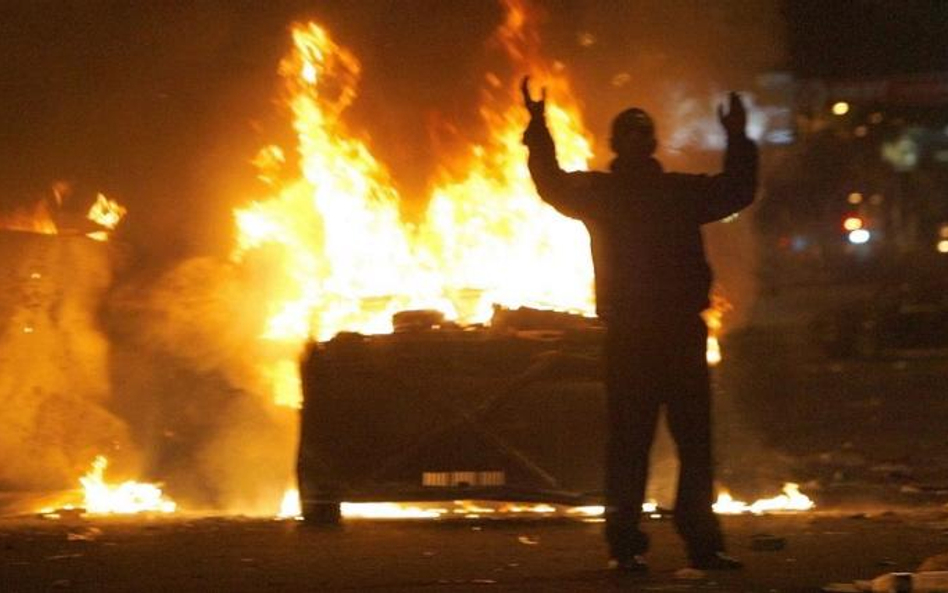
{"x":129,"y":497}
{"x":791,"y":500}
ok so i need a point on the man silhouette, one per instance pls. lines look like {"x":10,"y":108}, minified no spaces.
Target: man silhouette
{"x":652,"y":283}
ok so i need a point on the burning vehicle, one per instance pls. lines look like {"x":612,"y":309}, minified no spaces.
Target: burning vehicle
{"x":513,"y":412}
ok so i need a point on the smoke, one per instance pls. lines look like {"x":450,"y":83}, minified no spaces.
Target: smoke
{"x":190,"y":350}
{"x":54,"y":360}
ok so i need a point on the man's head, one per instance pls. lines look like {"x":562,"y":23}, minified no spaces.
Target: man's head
{"x":633,"y":134}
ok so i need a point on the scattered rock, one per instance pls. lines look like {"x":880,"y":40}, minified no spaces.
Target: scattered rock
{"x":890,"y":468}
{"x":840,"y":588}
{"x":528,"y":541}
{"x":85,"y":535}
{"x":64,"y":556}
{"x":690,"y":574}
{"x":765,"y":542}
{"x":886,"y":562}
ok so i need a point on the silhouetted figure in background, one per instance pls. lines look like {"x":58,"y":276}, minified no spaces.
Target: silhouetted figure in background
{"x":652,"y":283}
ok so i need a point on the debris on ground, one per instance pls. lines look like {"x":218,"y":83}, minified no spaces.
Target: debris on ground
{"x":690,"y":574}
{"x":765,"y":542}
{"x":938,"y":562}
{"x":896,"y":582}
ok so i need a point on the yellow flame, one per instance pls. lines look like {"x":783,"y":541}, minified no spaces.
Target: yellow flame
{"x":35,"y":219}
{"x":126,"y":498}
{"x":388,"y":510}
{"x":714,"y":319}
{"x":791,"y":500}
{"x":348,"y":262}
{"x":343,"y":258}
{"x":106,"y":212}
{"x":290,"y":506}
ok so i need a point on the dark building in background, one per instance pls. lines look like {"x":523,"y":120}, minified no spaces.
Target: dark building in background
{"x":863,"y":187}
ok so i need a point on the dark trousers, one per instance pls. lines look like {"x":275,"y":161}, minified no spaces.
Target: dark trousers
{"x":647,"y":366}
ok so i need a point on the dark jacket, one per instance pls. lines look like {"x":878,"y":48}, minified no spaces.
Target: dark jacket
{"x":645,"y":224}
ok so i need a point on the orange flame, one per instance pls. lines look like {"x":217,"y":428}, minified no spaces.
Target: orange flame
{"x":126,"y":498}
{"x":35,"y":219}
{"x":40,"y":218}
{"x":346,"y":259}
{"x":106,"y":212}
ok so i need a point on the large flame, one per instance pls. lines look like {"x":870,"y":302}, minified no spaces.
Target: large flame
{"x":330,"y":233}
{"x":346,"y":260}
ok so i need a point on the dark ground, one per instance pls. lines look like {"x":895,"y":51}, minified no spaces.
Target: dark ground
{"x":853,"y":431}
{"x":462,"y":555}
{"x":866,"y":439}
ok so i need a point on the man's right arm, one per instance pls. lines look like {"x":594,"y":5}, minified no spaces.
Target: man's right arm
{"x":567,"y":192}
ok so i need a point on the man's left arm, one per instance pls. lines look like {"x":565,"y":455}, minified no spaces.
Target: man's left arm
{"x":734,"y":188}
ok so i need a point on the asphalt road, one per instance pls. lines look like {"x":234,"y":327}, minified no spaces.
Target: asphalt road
{"x":215,"y":554}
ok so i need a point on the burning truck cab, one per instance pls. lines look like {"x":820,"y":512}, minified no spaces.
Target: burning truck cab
{"x":513,"y":411}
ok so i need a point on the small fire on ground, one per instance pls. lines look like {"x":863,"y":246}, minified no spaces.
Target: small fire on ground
{"x":789,"y":501}
{"x":102,"y":498}
{"x":99,"y":497}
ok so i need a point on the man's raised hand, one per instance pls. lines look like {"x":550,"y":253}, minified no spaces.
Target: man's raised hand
{"x":536,"y":108}
{"x":735,"y":120}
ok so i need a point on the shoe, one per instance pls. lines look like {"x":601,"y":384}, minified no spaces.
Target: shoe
{"x":717,"y":561}
{"x":629,"y":565}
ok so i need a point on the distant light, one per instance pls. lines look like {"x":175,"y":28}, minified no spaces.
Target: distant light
{"x":27,"y":330}
{"x":876,"y":199}
{"x":875,"y":118}
{"x":853,"y":223}
{"x":942,"y":246}
{"x":854,"y":198}
{"x":840,"y":108}
{"x":861,"y":131}
{"x":943,"y":231}
{"x":859,"y":236}
{"x":799,"y":243}
{"x":36,"y":275}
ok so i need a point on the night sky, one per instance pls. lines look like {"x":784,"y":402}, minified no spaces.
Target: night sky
{"x":162,"y":104}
